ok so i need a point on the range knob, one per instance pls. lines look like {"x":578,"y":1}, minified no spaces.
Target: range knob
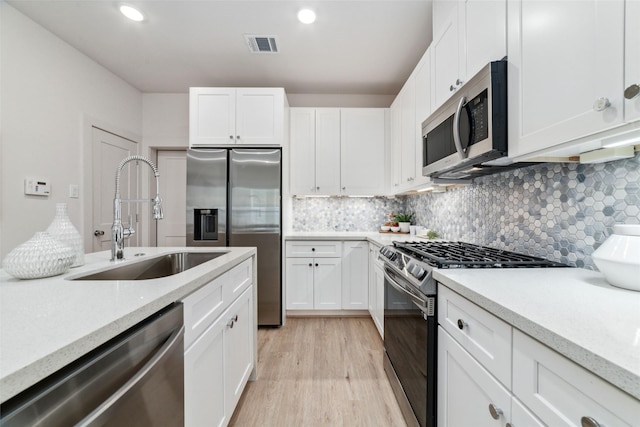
{"x":388,"y":253}
{"x":416,"y":271}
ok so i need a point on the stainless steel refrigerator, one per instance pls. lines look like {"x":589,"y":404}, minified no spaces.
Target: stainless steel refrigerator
{"x":234,"y":199}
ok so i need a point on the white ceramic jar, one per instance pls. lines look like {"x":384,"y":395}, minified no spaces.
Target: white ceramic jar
{"x":618,"y":258}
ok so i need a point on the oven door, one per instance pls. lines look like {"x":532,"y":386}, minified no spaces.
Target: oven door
{"x":410,"y":346}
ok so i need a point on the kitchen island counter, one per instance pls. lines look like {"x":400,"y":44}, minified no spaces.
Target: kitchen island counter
{"x":573,"y":311}
{"x":47,"y":323}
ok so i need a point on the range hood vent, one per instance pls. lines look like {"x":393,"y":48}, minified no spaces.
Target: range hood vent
{"x":262,"y":44}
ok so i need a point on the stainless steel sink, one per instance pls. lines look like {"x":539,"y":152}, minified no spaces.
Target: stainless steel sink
{"x":154,"y":268}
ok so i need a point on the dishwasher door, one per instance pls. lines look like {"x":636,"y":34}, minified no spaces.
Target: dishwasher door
{"x":136,"y":379}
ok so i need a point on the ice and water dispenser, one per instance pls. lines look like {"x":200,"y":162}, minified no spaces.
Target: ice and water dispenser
{"x":205,"y":224}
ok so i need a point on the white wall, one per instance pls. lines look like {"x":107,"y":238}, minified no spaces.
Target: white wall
{"x":50,"y":92}
{"x":339,"y":100}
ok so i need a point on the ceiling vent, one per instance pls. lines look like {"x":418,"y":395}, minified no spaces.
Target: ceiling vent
{"x":262,"y":44}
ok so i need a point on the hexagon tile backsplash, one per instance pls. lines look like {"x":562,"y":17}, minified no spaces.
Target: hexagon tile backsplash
{"x":558,"y":211}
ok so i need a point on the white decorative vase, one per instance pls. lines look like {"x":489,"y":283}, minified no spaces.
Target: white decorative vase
{"x":40,"y":256}
{"x":618,"y":258}
{"x":62,"y":230}
{"x":404,"y":227}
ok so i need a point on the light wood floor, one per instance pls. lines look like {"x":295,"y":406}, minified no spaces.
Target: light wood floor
{"x":319,"y":372}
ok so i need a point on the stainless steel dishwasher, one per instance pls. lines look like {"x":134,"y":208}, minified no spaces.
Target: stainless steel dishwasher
{"x":135,"y":379}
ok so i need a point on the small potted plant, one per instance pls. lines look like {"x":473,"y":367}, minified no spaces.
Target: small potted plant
{"x":404,"y":221}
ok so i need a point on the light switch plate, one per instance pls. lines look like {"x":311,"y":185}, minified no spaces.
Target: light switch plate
{"x":74,"y":191}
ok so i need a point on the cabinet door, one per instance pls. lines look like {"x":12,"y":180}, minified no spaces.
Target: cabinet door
{"x":212,"y":112}
{"x":423,"y":110}
{"x":445,"y":60}
{"x":303,"y":143}
{"x":561,"y":393}
{"x":238,"y":348}
{"x":327,"y":289}
{"x":484,"y":29}
{"x":299,"y":290}
{"x":522,"y":417}
{"x":372,"y":280}
{"x":466,"y":389}
{"x":327,"y":151}
{"x":379,"y":310}
{"x":408,"y":130}
{"x":563,"y":57}
{"x":204,"y":385}
{"x":259,"y":116}
{"x":632,"y":58}
{"x":355,"y":276}
{"x":362,"y":143}
{"x":395,"y":123}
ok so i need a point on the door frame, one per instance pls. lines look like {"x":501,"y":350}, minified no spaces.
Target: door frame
{"x":88,"y":123}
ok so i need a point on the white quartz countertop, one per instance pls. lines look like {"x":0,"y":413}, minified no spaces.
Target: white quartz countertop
{"x":573,"y":311}
{"x":47,"y":323}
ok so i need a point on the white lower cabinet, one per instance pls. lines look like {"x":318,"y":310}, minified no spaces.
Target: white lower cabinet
{"x":219,"y":357}
{"x":542,"y":388}
{"x":355,"y":275}
{"x":376,"y":289}
{"x":466,"y":390}
{"x":561,"y":393}
{"x":326,"y":275}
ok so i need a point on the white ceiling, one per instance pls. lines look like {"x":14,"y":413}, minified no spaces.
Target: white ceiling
{"x":354,"y":47}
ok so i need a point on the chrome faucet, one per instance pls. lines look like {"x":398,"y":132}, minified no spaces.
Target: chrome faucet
{"x":118,"y":232}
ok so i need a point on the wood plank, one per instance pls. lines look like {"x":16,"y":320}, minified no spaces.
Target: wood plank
{"x":319,"y":372}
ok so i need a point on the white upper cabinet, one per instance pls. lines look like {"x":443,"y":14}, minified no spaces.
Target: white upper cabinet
{"x":468,"y":34}
{"x":362,"y":149}
{"x":410,"y":108}
{"x":338,"y":151}
{"x":632,"y":61}
{"x":315,"y":151}
{"x":566,"y":73}
{"x":229,"y":116}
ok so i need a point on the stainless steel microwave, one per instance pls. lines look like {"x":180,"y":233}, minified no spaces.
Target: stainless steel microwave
{"x":467,"y":136}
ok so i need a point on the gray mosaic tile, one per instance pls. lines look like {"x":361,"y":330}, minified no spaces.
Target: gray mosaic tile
{"x":560,"y":211}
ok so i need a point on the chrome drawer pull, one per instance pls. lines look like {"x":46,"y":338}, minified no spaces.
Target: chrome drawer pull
{"x":461,"y":324}
{"x":589,"y":422}
{"x":495,"y":411}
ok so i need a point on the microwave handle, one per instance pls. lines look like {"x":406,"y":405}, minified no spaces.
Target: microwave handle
{"x":456,"y":129}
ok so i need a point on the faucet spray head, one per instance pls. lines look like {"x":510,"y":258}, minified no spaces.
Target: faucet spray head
{"x":158,"y":213}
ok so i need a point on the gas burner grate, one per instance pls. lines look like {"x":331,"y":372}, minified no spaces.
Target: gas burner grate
{"x":467,"y":255}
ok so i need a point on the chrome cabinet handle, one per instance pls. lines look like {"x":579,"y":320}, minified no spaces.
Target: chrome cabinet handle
{"x":452,"y":88}
{"x":230,"y":136}
{"x":237,"y":136}
{"x":461,"y":324}
{"x":495,"y":411}
{"x":456,"y":129}
{"x":632,"y":91}
{"x":313,"y":249}
{"x":98,"y":233}
{"x":601,"y":104}
{"x":316,"y":264}
{"x":589,"y":422}
{"x":232,"y":321}
{"x":458,"y":82}
{"x":310,"y":265}
{"x":317,"y":188}
{"x":344,"y":188}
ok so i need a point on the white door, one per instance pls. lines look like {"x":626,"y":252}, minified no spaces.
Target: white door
{"x":565,"y":67}
{"x":327,"y":151}
{"x":108,"y":151}
{"x":327,"y":289}
{"x":632,"y":58}
{"x":259,"y":116}
{"x":355,"y":276}
{"x":303,"y":142}
{"x":173,"y":184}
{"x":212,"y":116}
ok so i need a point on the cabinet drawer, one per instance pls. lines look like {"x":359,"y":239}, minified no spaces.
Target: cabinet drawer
{"x":203,"y":306}
{"x":466,"y":389}
{"x":316,"y":249}
{"x":560,"y":392}
{"x":481,"y":333}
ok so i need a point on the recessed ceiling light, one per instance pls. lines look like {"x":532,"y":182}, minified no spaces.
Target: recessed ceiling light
{"x":131,"y":13}
{"x":307,"y":16}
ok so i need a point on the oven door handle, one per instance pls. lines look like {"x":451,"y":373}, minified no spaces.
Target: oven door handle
{"x":416,"y":300}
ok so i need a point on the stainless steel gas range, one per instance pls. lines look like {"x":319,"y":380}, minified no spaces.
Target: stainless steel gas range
{"x":410,"y":322}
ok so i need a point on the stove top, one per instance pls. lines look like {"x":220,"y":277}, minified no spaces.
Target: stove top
{"x":466,"y":255}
